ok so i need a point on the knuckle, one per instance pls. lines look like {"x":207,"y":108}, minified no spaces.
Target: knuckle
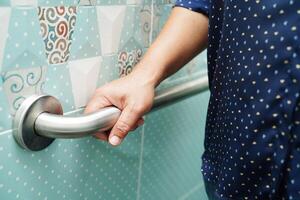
{"x":123,"y":127}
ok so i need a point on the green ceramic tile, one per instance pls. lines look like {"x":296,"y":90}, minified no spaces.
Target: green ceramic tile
{"x":4,"y":2}
{"x":101,"y":2}
{"x":24,"y":46}
{"x":109,"y":69}
{"x":58,"y":84}
{"x":58,"y":2}
{"x":173,"y":146}
{"x":70,"y":169}
{"x":196,"y":193}
{"x":5,"y":117}
{"x":132,"y":28}
{"x":199,"y":63}
{"x":86,"y":38}
{"x":160,"y":15}
{"x":110,"y":2}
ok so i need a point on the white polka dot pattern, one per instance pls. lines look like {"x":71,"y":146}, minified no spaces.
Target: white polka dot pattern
{"x":252,"y":131}
{"x":85,"y":168}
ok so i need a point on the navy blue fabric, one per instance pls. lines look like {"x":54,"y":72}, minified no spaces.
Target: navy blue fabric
{"x":201,"y":6}
{"x":252,"y":141}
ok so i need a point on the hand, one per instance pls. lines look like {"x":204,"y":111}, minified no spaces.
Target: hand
{"x":132,"y":95}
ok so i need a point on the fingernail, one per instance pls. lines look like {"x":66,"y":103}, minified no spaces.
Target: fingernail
{"x":115,"y":140}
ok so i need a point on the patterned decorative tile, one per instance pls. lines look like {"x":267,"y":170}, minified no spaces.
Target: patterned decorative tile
{"x":86,"y":38}
{"x":5,"y":117}
{"x":130,"y":54}
{"x":127,"y":60}
{"x":84,"y":74}
{"x":58,"y":84}
{"x":110,"y":19}
{"x":19,"y":84}
{"x":5,"y":18}
{"x":57,"y":26}
{"x":24,"y":45}
{"x":145,"y":18}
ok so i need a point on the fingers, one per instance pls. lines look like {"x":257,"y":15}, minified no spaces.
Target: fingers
{"x":101,"y":136}
{"x":104,"y":135}
{"x":129,"y":119}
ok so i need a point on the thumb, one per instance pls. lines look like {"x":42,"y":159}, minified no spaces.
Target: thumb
{"x":126,"y":122}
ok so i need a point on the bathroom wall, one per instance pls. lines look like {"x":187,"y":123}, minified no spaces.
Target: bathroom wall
{"x":67,"y":48}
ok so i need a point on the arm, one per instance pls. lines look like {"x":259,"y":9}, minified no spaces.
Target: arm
{"x":183,"y":37}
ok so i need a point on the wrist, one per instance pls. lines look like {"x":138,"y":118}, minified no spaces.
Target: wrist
{"x":147,"y":74}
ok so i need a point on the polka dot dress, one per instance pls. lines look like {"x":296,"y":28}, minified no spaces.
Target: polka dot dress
{"x":252,"y":142}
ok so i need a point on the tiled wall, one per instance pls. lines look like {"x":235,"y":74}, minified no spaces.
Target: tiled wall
{"x":67,"y":48}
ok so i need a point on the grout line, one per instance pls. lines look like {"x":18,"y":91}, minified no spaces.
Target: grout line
{"x":78,"y":110}
{"x":6,"y":132}
{"x":140,"y":169}
{"x":194,"y":189}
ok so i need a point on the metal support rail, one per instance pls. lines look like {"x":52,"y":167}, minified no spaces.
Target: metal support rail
{"x":40,"y":120}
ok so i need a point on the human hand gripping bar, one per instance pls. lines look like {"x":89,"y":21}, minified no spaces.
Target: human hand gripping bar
{"x":40,"y":119}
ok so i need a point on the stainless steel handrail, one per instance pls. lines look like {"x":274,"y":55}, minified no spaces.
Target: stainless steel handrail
{"x":39,"y":120}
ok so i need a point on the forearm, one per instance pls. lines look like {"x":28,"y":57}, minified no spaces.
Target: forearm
{"x":182,"y":38}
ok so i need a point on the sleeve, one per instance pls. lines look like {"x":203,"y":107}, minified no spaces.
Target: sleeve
{"x":201,"y":6}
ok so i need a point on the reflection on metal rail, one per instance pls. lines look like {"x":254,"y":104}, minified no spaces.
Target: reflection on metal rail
{"x":39,"y":120}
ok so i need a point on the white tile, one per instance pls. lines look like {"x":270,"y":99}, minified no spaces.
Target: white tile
{"x":84,"y":75}
{"x":110,"y":20}
{"x":23,"y":2}
{"x":5,"y":18}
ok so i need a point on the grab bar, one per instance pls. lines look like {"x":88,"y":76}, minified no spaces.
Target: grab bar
{"x":40,"y":120}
